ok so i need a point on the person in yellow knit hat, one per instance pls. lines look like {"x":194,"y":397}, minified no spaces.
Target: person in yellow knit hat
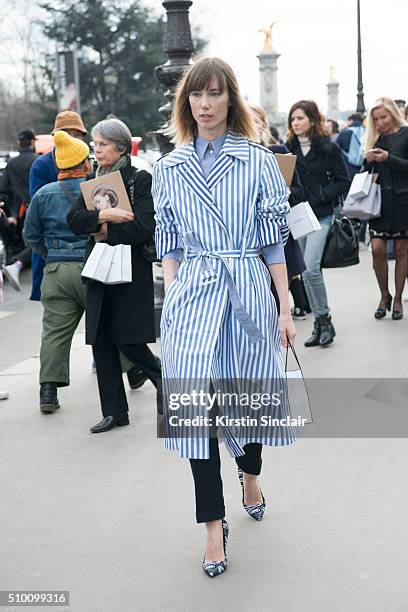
{"x":62,"y":291}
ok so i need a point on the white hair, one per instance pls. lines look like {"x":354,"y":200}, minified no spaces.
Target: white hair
{"x":114,"y":129}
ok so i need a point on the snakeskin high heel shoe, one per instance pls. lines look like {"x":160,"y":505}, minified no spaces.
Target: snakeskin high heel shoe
{"x":257,"y":511}
{"x":215,"y":568}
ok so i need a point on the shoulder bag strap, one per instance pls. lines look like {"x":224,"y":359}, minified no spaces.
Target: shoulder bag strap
{"x":67,"y":192}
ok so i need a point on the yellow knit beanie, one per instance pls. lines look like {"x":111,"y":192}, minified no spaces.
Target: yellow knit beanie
{"x":69,"y":152}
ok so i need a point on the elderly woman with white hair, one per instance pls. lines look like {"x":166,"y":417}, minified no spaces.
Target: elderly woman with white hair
{"x":119,"y":318}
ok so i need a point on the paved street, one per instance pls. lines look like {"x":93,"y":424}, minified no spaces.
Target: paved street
{"x":110,"y":517}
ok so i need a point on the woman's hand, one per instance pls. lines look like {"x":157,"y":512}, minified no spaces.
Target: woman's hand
{"x":287,"y":329}
{"x":115,"y":215}
{"x":369,"y":155}
{"x":102,"y":234}
{"x":380,"y":155}
{"x":376,"y":155}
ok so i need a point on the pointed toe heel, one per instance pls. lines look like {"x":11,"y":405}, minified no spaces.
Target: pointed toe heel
{"x":216,"y":568}
{"x":256,"y":511}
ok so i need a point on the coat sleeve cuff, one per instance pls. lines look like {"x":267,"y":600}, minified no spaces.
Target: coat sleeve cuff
{"x":273,"y":231}
{"x":274,"y":253}
{"x":166,"y":242}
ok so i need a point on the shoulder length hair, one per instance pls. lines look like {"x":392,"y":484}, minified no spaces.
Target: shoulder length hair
{"x":389,"y":105}
{"x":311,"y":110}
{"x":183,"y":127}
{"x":264,"y":132}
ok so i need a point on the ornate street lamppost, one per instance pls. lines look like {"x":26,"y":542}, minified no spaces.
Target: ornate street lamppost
{"x":111,"y":80}
{"x":360,"y":93}
{"x":178,"y":46}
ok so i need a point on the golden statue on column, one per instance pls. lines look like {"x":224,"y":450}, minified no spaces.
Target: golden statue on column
{"x":268,"y":36}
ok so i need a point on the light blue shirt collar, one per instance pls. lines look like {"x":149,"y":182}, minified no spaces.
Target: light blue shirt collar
{"x":200,"y":145}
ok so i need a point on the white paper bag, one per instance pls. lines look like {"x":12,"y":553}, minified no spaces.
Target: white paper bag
{"x":115,"y":271}
{"x":360,"y":185}
{"x":302,"y":220}
{"x":98,"y":263}
{"x":368,"y":207}
{"x":126,"y":263}
{"x":121,"y":266}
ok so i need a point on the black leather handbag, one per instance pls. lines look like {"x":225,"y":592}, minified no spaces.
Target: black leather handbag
{"x":341,"y":248}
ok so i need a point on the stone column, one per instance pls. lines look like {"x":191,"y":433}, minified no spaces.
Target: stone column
{"x":333,"y":96}
{"x":268,"y":72}
{"x":268,"y":68}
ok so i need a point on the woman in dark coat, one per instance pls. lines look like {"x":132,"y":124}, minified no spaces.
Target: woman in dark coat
{"x":387,"y":154}
{"x":324,"y":177}
{"x":119,"y":317}
{"x":293,"y":254}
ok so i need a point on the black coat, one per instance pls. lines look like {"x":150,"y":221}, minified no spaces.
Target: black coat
{"x":126,"y":311}
{"x":14,"y":182}
{"x":323,"y":174}
{"x":394,"y":182}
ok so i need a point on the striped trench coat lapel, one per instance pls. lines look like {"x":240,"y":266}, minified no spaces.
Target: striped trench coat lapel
{"x":190,"y":171}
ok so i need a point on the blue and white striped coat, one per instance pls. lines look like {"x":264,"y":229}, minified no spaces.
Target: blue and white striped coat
{"x":219,"y":319}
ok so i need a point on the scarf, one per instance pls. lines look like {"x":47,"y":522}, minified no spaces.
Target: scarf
{"x":72,"y":173}
{"x":121,"y":163}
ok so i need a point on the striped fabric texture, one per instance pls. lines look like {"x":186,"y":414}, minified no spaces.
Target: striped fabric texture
{"x":219,"y":318}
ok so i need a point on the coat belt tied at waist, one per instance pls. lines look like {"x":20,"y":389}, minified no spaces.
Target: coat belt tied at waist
{"x":194,"y":249}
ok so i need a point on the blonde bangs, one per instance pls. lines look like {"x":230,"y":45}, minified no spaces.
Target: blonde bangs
{"x":389,"y":105}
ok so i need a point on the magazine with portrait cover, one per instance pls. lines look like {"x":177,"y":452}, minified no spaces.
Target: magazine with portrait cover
{"x":107,"y":191}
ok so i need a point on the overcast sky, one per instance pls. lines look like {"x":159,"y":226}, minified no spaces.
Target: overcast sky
{"x":310,"y":36}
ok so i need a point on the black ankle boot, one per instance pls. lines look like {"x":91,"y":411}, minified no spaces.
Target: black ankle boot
{"x":48,"y":398}
{"x":315,"y":337}
{"x":327,"y":331}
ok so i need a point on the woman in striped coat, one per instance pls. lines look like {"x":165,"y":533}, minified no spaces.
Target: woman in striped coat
{"x":219,"y":198}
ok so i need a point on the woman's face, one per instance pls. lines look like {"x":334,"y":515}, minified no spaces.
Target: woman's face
{"x":383,"y":121}
{"x":260,"y":125}
{"x":101,"y":201}
{"x":209,"y":108}
{"x":300,"y":123}
{"x":106,"y":152}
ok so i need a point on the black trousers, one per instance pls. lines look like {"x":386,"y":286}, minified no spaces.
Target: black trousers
{"x":109,"y":370}
{"x":208,"y":483}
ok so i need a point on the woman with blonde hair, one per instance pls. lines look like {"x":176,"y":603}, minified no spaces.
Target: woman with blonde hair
{"x":219,"y":198}
{"x":387,"y":154}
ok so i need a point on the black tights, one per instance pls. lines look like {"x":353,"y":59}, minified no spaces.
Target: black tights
{"x":380,"y":264}
{"x":208,"y":483}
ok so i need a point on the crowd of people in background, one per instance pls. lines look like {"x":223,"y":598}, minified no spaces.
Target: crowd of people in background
{"x":328,"y":157}
{"x":45,"y":222}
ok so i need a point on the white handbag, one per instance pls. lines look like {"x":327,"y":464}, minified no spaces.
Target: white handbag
{"x":368,"y":207}
{"x":360,"y":185}
{"x":302,"y":220}
{"x":299,"y":402}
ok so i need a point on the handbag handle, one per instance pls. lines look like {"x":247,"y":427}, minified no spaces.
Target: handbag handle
{"x":301,"y":371}
{"x":295,"y":356}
